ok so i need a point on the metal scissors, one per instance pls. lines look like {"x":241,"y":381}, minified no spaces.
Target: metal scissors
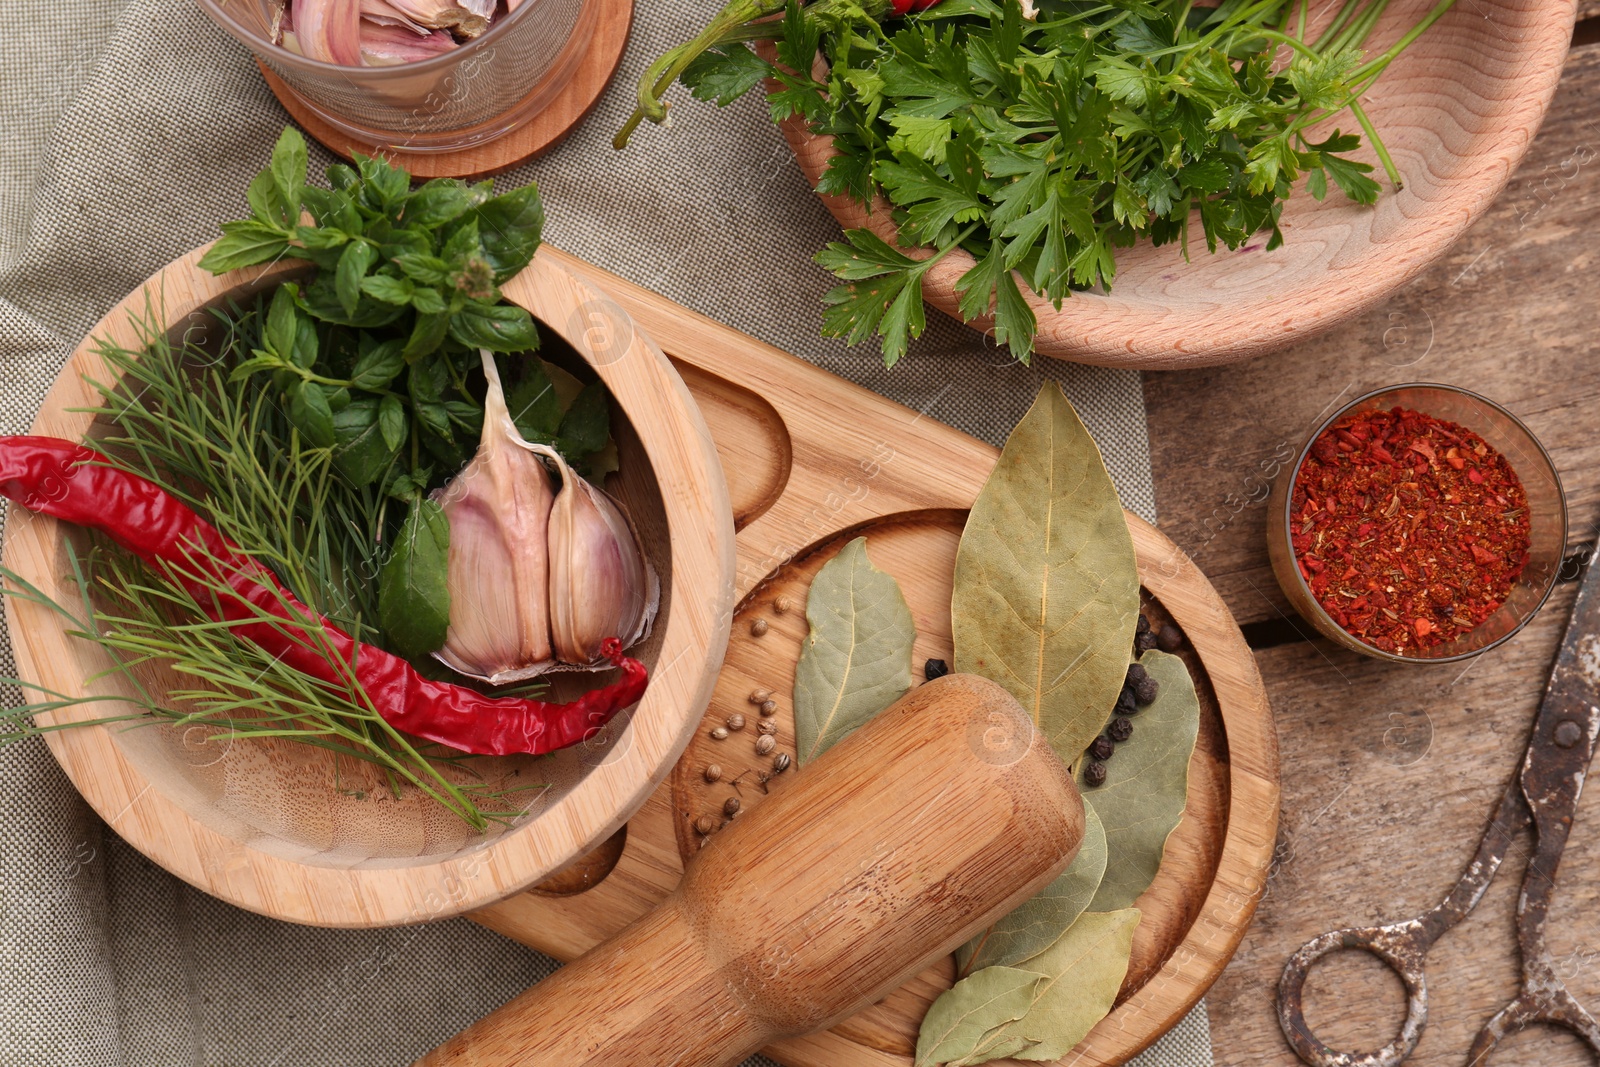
{"x":1544,"y":795}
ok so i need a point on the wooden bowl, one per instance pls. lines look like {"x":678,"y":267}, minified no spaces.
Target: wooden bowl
{"x":1456,"y":110}
{"x":276,"y":827}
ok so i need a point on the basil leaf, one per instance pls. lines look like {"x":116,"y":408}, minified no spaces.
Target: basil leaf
{"x":534,"y":405}
{"x":380,"y":366}
{"x":387,"y":289}
{"x":354,"y":263}
{"x":413,"y":583}
{"x":381,"y":183}
{"x":359,"y":450}
{"x":439,"y":201}
{"x":586,"y":426}
{"x":260,"y":361}
{"x":392,"y":421}
{"x":244,"y":244}
{"x":423,"y":269}
{"x":426,"y":336}
{"x":282,"y":324}
{"x":509,"y":228}
{"x":321,"y":301}
{"x":267,"y":203}
{"x":427,"y":300}
{"x":497,"y":327}
{"x":289,"y":169}
{"x":310,"y":413}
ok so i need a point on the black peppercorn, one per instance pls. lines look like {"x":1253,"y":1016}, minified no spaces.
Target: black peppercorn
{"x":1121,"y":728}
{"x":1170,"y":639}
{"x":935,"y":668}
{"x":1126,"y":705}
{"x":1145,"y":690}
{"x":1094,"y":773}
{"x":1135,"y":672}
{"x":1144,"y":642}
{"x":1102,"y":747}
{"x":1143,"y":626}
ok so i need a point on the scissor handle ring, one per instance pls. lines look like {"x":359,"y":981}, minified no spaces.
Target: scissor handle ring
{"x":1399,"y":945}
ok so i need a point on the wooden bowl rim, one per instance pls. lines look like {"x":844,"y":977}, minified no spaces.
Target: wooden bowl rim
{"x":695,"y":501}
{"x":1105,"y":330}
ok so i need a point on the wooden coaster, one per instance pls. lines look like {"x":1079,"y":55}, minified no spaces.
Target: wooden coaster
{"x":534,"y":137}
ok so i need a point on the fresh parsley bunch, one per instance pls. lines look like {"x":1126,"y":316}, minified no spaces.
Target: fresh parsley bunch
{"x":1041,"y":138}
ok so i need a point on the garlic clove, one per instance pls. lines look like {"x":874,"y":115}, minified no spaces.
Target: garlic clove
{"x":499,"y":510}
{"x":601,"y":584}
{"x":386,"y":14}
{"x":329,"y":30}
{"x":388,"y":46}
{"x":467,"y":17}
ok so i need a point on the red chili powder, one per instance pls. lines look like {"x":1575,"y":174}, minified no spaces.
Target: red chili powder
{"x":1409,"y":530}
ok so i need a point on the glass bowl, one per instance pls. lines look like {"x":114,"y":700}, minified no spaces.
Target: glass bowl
{"x":1547,"y":515}
{"x":481,"y":90}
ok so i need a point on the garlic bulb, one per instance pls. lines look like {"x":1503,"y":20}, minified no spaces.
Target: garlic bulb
{"x":538,"y":578}
{"x":499,"y":511}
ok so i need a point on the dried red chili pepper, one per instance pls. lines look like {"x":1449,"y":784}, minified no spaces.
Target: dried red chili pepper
{"x":1408,"y":529}
{"x":74,"y":483}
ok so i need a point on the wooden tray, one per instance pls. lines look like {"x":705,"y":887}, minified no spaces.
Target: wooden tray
{"x":810,"y":461}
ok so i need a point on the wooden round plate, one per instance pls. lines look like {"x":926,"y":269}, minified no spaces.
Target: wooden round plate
{"x":1457,"y":111}
{"x":284,"y":830}
{"x":1216,"y":862}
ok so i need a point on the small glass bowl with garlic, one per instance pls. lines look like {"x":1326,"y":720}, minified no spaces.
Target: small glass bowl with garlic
{"x":416,"y":75}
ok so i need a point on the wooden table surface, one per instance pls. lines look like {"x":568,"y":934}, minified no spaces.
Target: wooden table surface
{"x":1390,"y":773}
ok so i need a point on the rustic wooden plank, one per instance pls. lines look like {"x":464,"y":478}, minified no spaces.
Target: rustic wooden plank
{"x":1392,"y":775}
{"x":1508,"y":312}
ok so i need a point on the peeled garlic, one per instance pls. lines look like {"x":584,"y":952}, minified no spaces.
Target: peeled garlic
{"x":499,"y":511}
{"x":538,"y":579}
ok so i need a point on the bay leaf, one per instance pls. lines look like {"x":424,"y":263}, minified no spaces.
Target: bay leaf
{"x":856,"y":660}
{"x":1046,"y":589}
{"x":1037,"y":924}
{"x":1076,"y":984}
{"x":967,"y":1011}
{"x":1147,"y":784}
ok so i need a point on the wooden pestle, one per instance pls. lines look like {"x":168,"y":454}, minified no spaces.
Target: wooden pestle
{"x":940,"y":815}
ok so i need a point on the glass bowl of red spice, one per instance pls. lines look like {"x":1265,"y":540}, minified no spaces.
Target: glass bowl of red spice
{"x":1421,"y":523}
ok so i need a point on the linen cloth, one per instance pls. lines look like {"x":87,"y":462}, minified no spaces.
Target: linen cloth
{"x":131,"y":128}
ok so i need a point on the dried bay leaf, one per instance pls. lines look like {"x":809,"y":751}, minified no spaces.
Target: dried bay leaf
{"x":1037,"y":924}
{"x":856,"y":661}
{"x":1077,"y":981}
{"x":963,"y":1014}
{"x":1046,"y":588}
{"x":1147,"y":784}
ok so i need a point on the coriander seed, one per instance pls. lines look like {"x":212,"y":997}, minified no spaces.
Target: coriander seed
{"x":760,"y":696}
{"x":765,"y":744}
{"x":713,"y":772}
{"x":719,"y":733}
{"x":730,"y":807}
{"x":736,"y":722}
{"x":705,"y":824}
{"x":767,"y":726}
{"x":769,"y":708}
{"x":782,"y":605}
{"x":780,"y":762}
{"x":758,"y":628}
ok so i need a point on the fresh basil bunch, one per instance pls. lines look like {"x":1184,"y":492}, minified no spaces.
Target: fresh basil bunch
{"x":376,"y":355}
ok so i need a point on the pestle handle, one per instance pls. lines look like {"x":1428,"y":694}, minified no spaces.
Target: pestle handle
{"x":937,"y":817}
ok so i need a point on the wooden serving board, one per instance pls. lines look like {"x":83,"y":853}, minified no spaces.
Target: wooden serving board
{"x":811,"y":461}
